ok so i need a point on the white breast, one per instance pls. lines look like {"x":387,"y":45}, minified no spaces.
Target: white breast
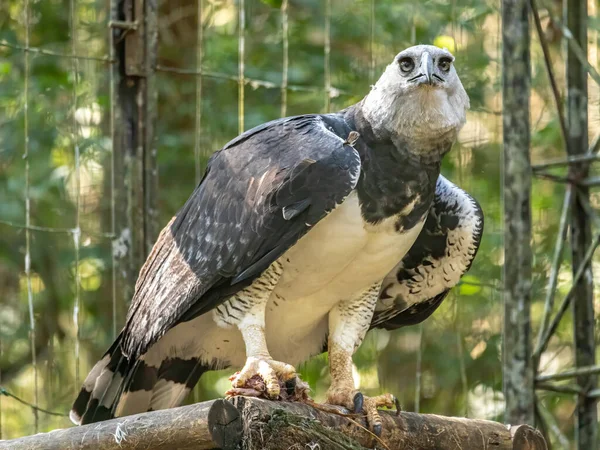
{"x":342,"y":256}
{"x":344,"y":253}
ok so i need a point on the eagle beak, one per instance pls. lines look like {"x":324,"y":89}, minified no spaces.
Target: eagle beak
{"x":426,"y":68}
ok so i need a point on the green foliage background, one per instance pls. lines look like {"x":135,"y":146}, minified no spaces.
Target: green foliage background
{"x":459,"y":347}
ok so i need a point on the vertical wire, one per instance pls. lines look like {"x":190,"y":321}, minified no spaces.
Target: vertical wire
{"x":32,"y":334}
{"x":459,"y":152}
{"x":372,"y":43}
{"x":413,"y":32}
{"x":113,"y":205}
{"x":461,"y":359}
{"x":459,"y":342}
{"x":419,"y":371}
{"x":327,"y":55}
{"x":419,"y":363}
{"x":497,"y":136}
{"x":48,"y":378}
{"x":241,"y":58}
{"x":198,"y":122}
{"x":77,"y":230}
{"x":453,"y":25}
{"x":284,"y":70}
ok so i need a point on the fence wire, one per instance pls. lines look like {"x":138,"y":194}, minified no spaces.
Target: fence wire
{"x":75,"y":134}
{"x":74,"y":232}
{"x":28,"y":221}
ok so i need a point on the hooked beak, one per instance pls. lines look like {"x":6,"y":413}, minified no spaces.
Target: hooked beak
{"x":425,"y":70}
{"x":427,"y":67}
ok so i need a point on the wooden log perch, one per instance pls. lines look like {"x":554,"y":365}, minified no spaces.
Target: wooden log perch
{"x":252,"y":424}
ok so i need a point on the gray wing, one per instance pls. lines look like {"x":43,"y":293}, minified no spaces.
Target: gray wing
{"x":441,"y":255}
{"x":260,"y":194}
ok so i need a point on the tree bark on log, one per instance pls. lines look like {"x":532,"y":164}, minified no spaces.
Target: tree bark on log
{"x":252,"y":424}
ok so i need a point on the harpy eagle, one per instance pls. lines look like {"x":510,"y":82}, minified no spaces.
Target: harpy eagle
{"x":304,"y":233}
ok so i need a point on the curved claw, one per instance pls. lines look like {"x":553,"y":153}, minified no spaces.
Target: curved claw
{"x":265,"y":375}
{"x":397,"y":405}
{"x":377,"y":430}
{"x":366,"y":406}
{"x":358,"y":401}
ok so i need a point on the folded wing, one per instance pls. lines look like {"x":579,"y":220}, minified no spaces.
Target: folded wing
{"x":261,"y":193}
{"x":441,"y":255}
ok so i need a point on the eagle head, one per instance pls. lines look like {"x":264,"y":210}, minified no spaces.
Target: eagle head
{"x":419,"y":98}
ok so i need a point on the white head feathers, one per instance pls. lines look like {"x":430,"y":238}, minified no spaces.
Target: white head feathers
{"x":418,"y":99}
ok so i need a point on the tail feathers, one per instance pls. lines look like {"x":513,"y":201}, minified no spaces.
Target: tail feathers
{"x":153,"y":388}
{"x":115,"y":387}
{"x":101,"y":388}
{"x":177,"y":377}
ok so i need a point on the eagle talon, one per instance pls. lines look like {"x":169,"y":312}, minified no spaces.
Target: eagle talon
{"x":377,"y":430}
{"x":234,"y":376}
{"x":263,"y":375}
{"x":358,"y":402}
{"x":397,"y":405}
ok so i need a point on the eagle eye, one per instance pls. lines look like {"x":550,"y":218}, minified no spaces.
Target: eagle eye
{"x":406,"y":64}
{"x":444,"y":64}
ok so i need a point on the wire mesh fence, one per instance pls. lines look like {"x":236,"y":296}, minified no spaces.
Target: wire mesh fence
{"x":89,"y":176}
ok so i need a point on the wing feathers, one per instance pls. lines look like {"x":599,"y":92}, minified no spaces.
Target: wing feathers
{"x":274,"y":182}
{"x":441,"y":255}
{"x":291,"y":211}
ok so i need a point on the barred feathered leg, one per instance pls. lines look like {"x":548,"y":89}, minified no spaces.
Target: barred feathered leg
{"x":348,"y":324}
{"x":246,"y":310}
{"x":260,"y":363}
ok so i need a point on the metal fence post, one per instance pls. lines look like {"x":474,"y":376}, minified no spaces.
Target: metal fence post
{"x":518,"y":364}
{"x":134,"y":41}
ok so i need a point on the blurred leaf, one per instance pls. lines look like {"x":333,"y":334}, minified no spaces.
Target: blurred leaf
{"x":469,"y":285}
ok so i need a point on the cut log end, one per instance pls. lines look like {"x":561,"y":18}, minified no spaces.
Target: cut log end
{"x":527,"y":438}
{"x":225,"y":424}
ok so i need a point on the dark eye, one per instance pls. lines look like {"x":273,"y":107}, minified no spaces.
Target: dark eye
{"x":444,"y":64}
{"x":406,"y":64}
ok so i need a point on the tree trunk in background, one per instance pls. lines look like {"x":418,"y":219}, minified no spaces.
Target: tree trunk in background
{"x":518,"y":364}
{"x":583,"y":294}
